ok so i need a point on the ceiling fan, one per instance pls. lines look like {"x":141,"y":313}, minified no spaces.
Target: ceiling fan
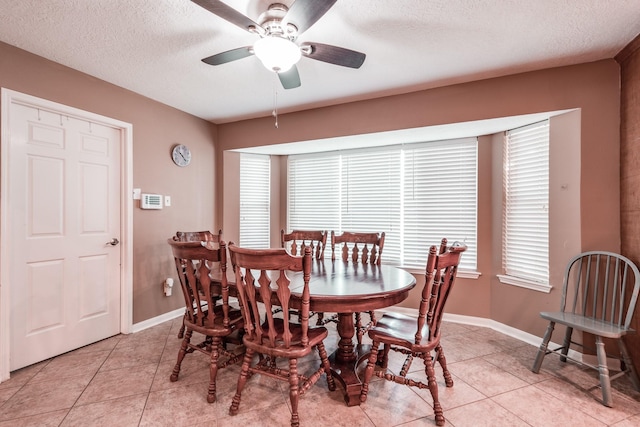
{"x":279,"y":27}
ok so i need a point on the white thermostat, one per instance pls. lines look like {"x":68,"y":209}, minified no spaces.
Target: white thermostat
{"x":151,"y":201}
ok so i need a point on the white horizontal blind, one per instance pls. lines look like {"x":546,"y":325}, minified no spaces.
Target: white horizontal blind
{"x":440,"y":199}
{"x":255,"y":172}
{"x":525,"y":251}
{"x":314,"y":192}
{"x":370,"y":197}
{"x":417,"y":194}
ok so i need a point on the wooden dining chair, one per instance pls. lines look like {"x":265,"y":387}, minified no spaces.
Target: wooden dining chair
{"x":295,"y":242}
{"x":262,"y":279}
{"x":418,"y":336}
{"x":196,"y":236}
{"x":599,"y":295}
{"x":369,"y":252}
{"x":205,"y":313}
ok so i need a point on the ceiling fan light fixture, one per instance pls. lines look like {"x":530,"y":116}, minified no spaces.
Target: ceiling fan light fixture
{"x":278,"y":54}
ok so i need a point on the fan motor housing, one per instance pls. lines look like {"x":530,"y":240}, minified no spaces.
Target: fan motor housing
{"x":271,"y":21}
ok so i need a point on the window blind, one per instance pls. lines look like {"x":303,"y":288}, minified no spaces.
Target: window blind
{"x":440,"y":198}
{"x":525,"y":251}
{"x":255,"y":172}
{"x":370,"y":200}
{"x":417,"y":194}
{"x":313,"y":201}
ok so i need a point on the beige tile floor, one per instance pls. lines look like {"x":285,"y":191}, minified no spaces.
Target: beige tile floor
{"x":124,"y":381}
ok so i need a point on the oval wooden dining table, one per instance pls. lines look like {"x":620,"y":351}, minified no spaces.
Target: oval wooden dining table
{"x":346,"y":288}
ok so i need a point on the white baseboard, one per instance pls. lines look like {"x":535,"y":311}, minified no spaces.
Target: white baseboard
{"x":140,"y":326}
{"x":526,"y":337}
{"x":492,"y":324}
{"x":612,"y":364}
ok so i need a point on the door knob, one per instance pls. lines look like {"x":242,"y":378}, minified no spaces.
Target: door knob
{"x":113,"y":242}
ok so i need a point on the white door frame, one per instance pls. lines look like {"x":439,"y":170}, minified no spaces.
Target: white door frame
{"x":126,"y":213}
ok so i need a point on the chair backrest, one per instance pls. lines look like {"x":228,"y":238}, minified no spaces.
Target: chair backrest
{"x":441,"y":273}
{"x":315,"y":239}
{"x":369,"y":251}
{"x":194,"y":261}
{"x":263,"y":277}
{"x":197,"y":236}
{"x":601,"y":285}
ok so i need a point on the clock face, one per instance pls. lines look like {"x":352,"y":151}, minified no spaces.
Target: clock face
{"x":181,"y":155}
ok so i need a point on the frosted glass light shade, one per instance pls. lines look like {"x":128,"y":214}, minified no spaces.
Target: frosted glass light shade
{"x":276,"y":53}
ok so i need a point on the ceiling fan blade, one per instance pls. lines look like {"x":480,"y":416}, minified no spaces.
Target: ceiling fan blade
{"x":333,"y":54}
{"x":230,"y":14}
{"x":228,"y":56}
{"x":304,"y":13}
{"x":290,"y":79}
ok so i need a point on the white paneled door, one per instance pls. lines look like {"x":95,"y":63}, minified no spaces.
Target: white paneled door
{"x":64,"y":224}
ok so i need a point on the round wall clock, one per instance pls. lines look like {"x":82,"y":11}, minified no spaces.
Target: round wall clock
{"x":181,"y":155}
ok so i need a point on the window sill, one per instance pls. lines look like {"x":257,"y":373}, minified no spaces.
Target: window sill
{"x":535,"y":286}
{"x":463,"y":274}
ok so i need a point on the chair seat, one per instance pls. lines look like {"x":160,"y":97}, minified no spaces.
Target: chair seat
{"x":587,"y":324}
{"x":315,"y":335}
{"x":400,"y":329}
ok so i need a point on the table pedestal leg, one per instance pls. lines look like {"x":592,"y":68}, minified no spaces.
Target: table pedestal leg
{"x":345,"y":360}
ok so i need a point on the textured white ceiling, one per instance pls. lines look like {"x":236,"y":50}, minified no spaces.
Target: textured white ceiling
{"x":154,"y":47}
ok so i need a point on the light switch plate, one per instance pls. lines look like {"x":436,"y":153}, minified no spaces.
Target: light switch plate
{"x":136,"y":193}
{"x":167,"y":200}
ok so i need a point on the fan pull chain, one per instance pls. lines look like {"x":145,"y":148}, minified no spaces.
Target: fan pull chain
{"x":274,"y":113}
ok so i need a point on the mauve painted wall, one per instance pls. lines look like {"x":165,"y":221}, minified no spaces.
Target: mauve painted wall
{"x":156,"y":128}
{"x":593,"y":88}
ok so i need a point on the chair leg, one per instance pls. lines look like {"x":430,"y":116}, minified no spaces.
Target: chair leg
{"x":368,"y":372}
{"x":181,"y":331}
{"x":630,"y":369}
{"x":383,"y":356}
{"x":542,"y":351}
{"x":213,"y":368}
{"x":406,"y":366}
{"x":181,"y":354}
{"x":324,"y":358}
{"x":433,"y":388}
{"x":566,"y":344}
{"x":605,"y":380}
{"x":359,"y":330}
{"x":294,"y":393}
{"x":273,"y":363}
{"x":242,"y":380}
{"x":443,"y":363}
{"x":372,"y":317}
